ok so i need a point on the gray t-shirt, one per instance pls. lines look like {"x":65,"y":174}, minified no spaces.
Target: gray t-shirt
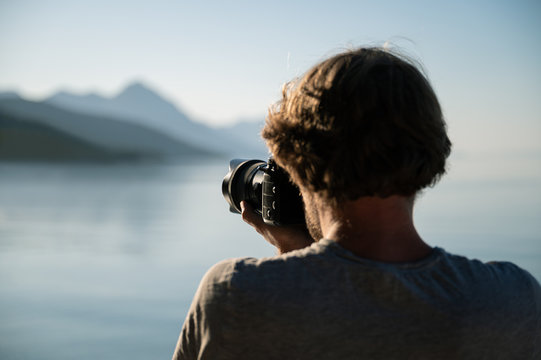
{"x":324,"y":302}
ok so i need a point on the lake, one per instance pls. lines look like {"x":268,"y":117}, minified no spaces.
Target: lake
{"x":102,"y":261}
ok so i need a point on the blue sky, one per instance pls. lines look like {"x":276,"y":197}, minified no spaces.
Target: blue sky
{"x":221,"y":61}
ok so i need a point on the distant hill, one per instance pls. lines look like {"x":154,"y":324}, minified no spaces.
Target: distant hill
{"x":101,"y":133}
{"x":27,"y":140}
{"x":9,"y":95}
{"x":138,"y":104}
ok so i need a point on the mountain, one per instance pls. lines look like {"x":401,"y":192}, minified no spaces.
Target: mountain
{"x":9,"y":95}
{"x":108,"y":134}
{"x":138,"y":104}
{"x":27,"y":140}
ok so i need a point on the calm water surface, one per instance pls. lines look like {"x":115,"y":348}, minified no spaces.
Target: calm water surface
{"x":102,"y":261}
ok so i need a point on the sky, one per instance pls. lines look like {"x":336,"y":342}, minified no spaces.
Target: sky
{"x":221,"y":61}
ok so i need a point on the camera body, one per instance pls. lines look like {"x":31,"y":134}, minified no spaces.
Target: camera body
{"x":267,"y":188}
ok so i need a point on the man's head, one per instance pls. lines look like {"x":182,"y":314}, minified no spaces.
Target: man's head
{"x":362,"y":123}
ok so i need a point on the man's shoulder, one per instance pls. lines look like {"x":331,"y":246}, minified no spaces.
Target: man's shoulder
{"x":502,"y":271}
{"x":326,"y":263}
{"x":320,"y":257}
{"x":251,"y":274}
{"x":496,"y":279}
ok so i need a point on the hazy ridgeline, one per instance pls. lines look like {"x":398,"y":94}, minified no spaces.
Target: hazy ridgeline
{"x":135,"y":125}
{"x":110,"y":213}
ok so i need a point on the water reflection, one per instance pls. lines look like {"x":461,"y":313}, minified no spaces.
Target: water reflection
{"x":102,"y":261}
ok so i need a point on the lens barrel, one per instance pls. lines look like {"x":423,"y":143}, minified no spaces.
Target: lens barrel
{"x":243,"y":182}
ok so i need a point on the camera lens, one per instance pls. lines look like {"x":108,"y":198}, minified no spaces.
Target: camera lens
{"x":243,"y":182}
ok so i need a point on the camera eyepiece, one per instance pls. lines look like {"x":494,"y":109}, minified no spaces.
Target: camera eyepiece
{"x":266,"y":187}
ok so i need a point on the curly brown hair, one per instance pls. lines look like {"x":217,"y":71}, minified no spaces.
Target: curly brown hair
{"x":361,"y":123}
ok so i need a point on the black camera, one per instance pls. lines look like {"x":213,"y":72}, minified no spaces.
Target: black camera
{"x":267,"y":188}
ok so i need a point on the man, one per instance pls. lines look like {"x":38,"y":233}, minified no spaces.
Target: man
{"x":360,"y":134}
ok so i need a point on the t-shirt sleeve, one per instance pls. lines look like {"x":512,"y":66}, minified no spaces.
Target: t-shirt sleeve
{"x":201,"y":330}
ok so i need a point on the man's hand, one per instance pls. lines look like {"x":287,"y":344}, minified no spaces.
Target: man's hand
{"x":285,"y":238}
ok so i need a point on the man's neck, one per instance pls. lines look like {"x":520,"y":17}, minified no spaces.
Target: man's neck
{"x":375,"y":228}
